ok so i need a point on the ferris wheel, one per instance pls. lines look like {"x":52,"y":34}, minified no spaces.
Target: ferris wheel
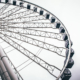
{"x":33,"y":41}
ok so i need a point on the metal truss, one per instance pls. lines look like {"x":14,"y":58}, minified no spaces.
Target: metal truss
{"x":25,"y":25}
{"x":21,"y":25}
{"x":40,"y":33}
{"x":35,"y":42}
{"x":34,"y":32}
{"x":4,"y":8}
{"x":30,"y":55}
{"x":28,"y":19}
{"x":19,"y":15}
{"x":9,"y":13}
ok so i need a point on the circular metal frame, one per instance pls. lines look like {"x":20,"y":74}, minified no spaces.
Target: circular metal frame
{"x":59,"y":22}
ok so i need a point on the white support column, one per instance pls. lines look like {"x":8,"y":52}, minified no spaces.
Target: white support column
{"x":1,"y":76}
{"x":8,"y":67}
{"x":4,"y":73}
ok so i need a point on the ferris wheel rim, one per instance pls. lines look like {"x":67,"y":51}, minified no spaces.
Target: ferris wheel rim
{"x":64,"y":28}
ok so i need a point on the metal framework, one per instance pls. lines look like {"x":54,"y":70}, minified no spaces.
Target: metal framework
{"x":33,"y":21}
{"x":33,"y":41}
{"x":36,"y":59}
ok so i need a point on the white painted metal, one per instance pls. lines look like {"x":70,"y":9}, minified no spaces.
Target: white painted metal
{"x":5,"y":61}
{"x":4,"y":72}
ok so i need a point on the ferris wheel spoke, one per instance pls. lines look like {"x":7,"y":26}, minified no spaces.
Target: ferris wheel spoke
{"x":23,"y":23}
{"x":27,"y":61}
{"x":28,"y":19}
{"x":19,"y":15}
{"x":3,"y":8}
{"x":36,"y":59}
{"x":9,"y":13}
{"x":39,"y":33}
{"x":28,"y":25}
{"x":35,"y":42}
{"x":11,"y":49}
{"x":24,"y":63}
{"x":25,"y":66}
